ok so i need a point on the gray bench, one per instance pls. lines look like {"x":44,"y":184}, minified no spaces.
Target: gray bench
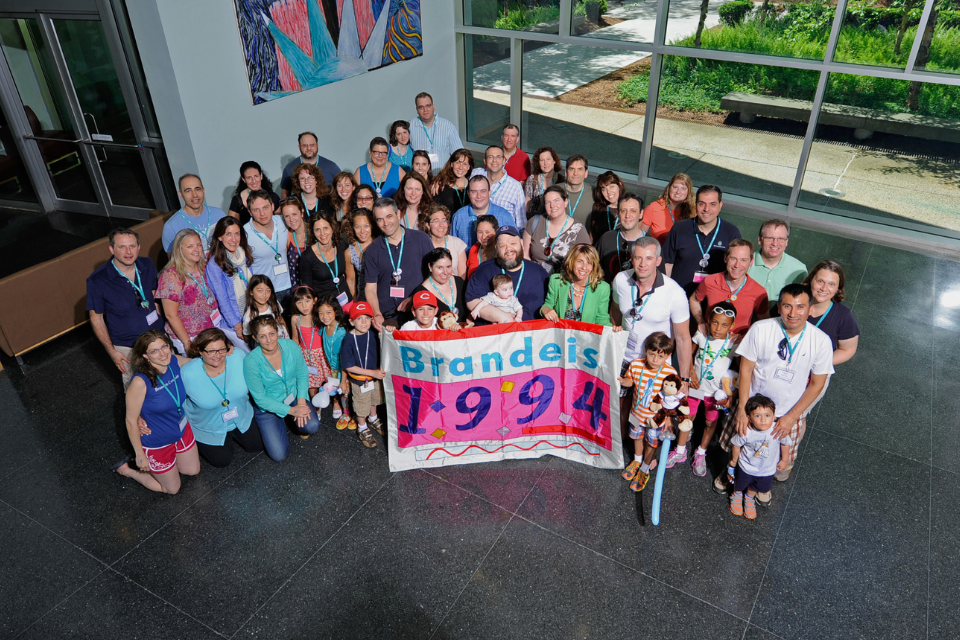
{"x":863,"y":121}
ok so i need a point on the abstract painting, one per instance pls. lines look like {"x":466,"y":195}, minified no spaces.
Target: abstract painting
{"x":294,"y":45}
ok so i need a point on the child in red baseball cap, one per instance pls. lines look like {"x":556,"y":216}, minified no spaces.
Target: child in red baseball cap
{"x":360,"y":357}
{"x":424,"y":312}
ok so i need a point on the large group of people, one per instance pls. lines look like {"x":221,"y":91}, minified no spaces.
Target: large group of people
{"x":270,"y":313}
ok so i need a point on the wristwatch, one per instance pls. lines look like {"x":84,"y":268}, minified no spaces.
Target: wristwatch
{"x":684,"y":379}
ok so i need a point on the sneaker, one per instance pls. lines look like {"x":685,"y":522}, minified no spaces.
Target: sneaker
{"x":763,"y":499}
{"x":375,"y":424}
{"x":352,"y":425}
{"x":631,"y":470}
{"x":366,"y":437}
{"x":782,"y":476}
{"x":344,"y":422}
{"x":639,"y":481}
{"x":676,"y":456}
{"x":720,"y":483}
{"x":749,"y":508}
{"x":700,"y":464}
{"x":337,"y":414}
{"x":736,"y":504}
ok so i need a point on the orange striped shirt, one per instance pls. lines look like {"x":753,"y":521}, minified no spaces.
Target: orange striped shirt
{"x":641,"y":377}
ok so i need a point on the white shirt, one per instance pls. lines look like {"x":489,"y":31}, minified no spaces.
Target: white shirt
{"x":665,"y":306}
{"x":507,"y":193}
{"x":759,"y":451}
{"x":264,"y":253}
{"x":781,"y":380}
{"x":411,"y":325}
{"x":722,"y":354}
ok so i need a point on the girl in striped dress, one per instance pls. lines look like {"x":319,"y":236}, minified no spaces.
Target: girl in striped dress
{"x":307,"y":332}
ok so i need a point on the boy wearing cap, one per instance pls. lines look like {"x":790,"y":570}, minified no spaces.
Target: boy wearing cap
{"x":360,"y":357}
{"x":424,"y":313}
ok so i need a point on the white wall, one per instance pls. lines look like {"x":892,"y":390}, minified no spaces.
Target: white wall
{"x":196,"y":72}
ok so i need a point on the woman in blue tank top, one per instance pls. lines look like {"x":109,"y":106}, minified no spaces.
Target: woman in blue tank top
{"x":156,"y":393}
{"x":380,"y":172}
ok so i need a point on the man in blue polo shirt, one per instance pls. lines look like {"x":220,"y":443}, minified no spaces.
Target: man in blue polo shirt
{"x":529,"y":279}
{"x":194,"y":215}
{"x":464,"y":225}
{"x":696,"y":247}
{"x":309,"y":154}
{"x":120,"y":299}
{"x":394,"y":266}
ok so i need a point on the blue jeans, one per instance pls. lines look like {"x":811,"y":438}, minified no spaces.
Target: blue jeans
{"x":273,"y":430}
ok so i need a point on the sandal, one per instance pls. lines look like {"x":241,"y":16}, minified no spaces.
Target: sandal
{"x":375,"y":424}
{"x":736,"y":503}
{"x":116,"y":468}
{"x":343,"y":422}
{"x":367,"y":438}
{"x":749,"y":508}
{"x":337,"y":413}
{"x":631,"y":470}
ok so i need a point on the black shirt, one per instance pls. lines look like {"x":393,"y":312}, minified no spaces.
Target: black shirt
{"x":461,"y":304}
{"x":684,"y":253}
{"x":236,"y":205}
{"x":615,"y":253}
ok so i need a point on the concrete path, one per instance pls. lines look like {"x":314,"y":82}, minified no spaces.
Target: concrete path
{"x":640,"y":20}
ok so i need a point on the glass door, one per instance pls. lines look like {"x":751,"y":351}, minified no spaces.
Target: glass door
{"x":81,"y":121}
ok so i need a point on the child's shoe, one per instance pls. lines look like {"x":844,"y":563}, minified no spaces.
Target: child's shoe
{"x":337,"y":413}
{"x":631,"y":471}
{"x":676,"y":456}
{"x":366,"y":437}
{"x":375,"y":424}
{"x":344,"y":422}
{"x":736,"y":504}
{"x":700,"y":464}
{"x":639,"y":481}
{"x":352,"y":425}
{"x":749,"y":508}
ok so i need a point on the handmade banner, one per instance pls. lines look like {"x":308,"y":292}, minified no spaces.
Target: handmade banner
{"x":503,"y":392}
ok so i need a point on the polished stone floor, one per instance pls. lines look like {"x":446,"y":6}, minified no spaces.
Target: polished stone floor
{"x":860,"y":543}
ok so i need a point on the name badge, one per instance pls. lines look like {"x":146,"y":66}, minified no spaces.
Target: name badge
{"x":434,"y":159}
{"x":215,"y":317}
{"x":279,"y":269}
{"x":397,"y":292}
{"x":783,"y":374}
{"x":343,"y":299}
{"x":233,"y":414}
{"x":367,"y":386}
{"x":183,"y":423}
{"x":313,"y":371}
{"x":290,"y":398}
{"x":631,"y":341}
{"x":699,"y":276}
{"x":152,"y":317}
{"x":695,"y":393}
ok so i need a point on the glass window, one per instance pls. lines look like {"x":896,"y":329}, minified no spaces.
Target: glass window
{"x":579,"y":111}
{"x":542,"y":16}
{"x":886,"y":150}
{"x":940,"y":51}
{"x":738,"y":126}
{"x":796,"y":30}
{"x":625,"y":21}
{"x":878,"y":35}
{"x":14,"y":181}
{"x":487,"y":87}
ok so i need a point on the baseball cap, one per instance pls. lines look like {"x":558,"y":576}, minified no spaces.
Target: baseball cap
{"x":508,"y":230}
{"x":424,"y":298}
{"x":360,"y":309}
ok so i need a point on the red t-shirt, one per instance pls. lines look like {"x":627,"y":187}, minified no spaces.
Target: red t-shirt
{"x":751,"y":299}
{"x":518,"y":166}
{"x":659,"y":219}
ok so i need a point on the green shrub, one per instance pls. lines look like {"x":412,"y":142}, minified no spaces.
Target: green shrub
{"x":733,"y":13}
{"x":873,"y":46}
{"x":520,"y":18}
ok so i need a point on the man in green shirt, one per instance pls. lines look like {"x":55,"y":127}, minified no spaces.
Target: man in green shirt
{"x":772,"y":267}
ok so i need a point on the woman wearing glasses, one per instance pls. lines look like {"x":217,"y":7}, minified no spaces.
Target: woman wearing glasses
{"x":380,"y":172}
{"x":156,"y":393}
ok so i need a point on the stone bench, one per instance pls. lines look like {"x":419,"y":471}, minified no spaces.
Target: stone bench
{"x":863,"y":121}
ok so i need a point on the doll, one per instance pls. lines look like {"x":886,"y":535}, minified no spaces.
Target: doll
{"x":672,"y":407}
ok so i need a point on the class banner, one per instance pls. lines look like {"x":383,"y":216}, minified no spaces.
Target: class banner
{"x":501,"y":392}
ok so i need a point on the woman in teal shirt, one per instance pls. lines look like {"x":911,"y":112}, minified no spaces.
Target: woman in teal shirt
{"x":218,"y":402}
{"x":579,"y":292}
{"x":277,"y":378}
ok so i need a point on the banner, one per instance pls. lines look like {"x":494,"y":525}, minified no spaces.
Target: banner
{"x":503,"y":392}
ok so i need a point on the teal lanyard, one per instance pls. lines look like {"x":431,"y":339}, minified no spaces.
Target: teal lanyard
{"x":296,"y":243}
{"x":426,"y":132}
{"x":578,"y":312}
{"x":647,"y":393}
{"x":462,"y":198}
{"x":204,"y":232}
{"x":166,"y":387}
{"x":613,"y":222}
{"x":378,"y":186}
{"x":313,"y":333}
{"x":637,"y":313}
{"x":792,"y":347}
{"x":336,"y":264}
{"x":243,"y":278}
{"x":554,"y":241}
{"x":706,"y":353}
{"x":222,"y":392}
{"x":270,"y":243}
{"x":516,"y":290}
{"x":316,"y":209}
{"x":816,"y":325}
{"x":500,"y":183}
{"x":696,"y":234}
{"x":574,"y":210}
{"x":733,"y":294}
{"x":360,"y":249}
{"x":202,"y":283}
{"x":672,"y":218}
{"x":138,"y":287}
{"x":397,"y":271}
{"x":453,"y":294}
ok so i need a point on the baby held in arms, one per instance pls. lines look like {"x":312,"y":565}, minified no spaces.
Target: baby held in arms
{"x":501,"y":297}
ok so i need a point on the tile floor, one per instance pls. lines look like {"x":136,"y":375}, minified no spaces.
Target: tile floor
{"x":860,"y":543}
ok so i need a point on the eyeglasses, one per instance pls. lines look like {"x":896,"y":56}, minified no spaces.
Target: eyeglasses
{"x":156,"y":352}
{"x":494,"y":157}
{"x":378,"y":153}
{"x":773,"y":240}
{"x":215,"y":352}
{"x":364,"y":198}
{"x":726,"y":312}
{"x":307,"y":178}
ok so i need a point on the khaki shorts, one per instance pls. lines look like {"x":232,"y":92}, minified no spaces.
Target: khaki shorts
{"x":126,"y":351}
{"x":363,"y":401}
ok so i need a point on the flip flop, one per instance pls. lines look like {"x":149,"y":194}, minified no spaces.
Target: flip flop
{"x":116,"y":468}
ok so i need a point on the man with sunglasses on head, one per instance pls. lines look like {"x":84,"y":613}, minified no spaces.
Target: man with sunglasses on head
{"x":788,"y":360}
{"x":734,"y":286}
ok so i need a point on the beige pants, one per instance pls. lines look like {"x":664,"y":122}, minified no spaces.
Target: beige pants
{"x":128,"y":375}
{"x":363,"y":401}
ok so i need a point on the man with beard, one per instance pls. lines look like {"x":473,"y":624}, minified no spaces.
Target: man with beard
{"x":529,"y":279}
{"x":309,"y":154}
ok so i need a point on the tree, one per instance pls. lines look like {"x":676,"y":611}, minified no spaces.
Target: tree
{"x":703,"y":18}
{"x":923,"y":55}
{"x":908,"y":6}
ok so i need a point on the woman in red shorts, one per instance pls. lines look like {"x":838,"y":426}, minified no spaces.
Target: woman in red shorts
{"x":157,"y":395}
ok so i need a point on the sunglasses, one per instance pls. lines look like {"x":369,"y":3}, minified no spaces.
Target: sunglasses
{"x":726,"y":312}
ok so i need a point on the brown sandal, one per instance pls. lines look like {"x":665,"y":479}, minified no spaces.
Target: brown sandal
{"x":366,"y":437}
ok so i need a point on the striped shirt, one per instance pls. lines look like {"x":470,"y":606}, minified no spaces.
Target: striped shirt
{"x":642,"y":377}
{"x":507,"y":193}
{"x":440,"y":138}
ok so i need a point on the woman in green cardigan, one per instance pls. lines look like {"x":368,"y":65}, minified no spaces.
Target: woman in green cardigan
{"x":277,"y":378}
{"x":579,"y":292}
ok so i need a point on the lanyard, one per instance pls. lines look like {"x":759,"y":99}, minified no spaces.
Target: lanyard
{"x":269,"y":243}
{"x":500,"y":183}
{"x":222,"y":392}
{"x":792,"y":347}
{"x":360,"y":249}
{"x":706,"y":254}
{"x":397,"y":271}
{"x":202,"y":283}
{"x":366,"y":349}
{"x":328,"y":343}
{"x":574,"y":210}
{"x":670,"y":211}
{"x":296,"y":243}
{"x":427,"y":132}
{"x":638,"y":313}
{"x":166,"y":387}
{"x":706,"y":353}
{"x":816,"y":325}
{"x":733,"y":294}
{"x":614,"y":222}
{"x":313,"y":333}
{"x":523,"y":265}
{"x":378,"y":186}
{"x":461,"y":198}
{"x":647,"y":392}
{"x":549,"y":250}
{"x":453,"y":294}
{"x":138,"y":287}
{"x":336,"y":265}
{"x":316,"y":208}
{"x":583,"y":298}
{"x":206,"y":231}
{"x":240,"y":268}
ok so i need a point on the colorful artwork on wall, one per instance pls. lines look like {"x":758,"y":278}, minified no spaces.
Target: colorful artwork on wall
{"x":295,"y":45}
